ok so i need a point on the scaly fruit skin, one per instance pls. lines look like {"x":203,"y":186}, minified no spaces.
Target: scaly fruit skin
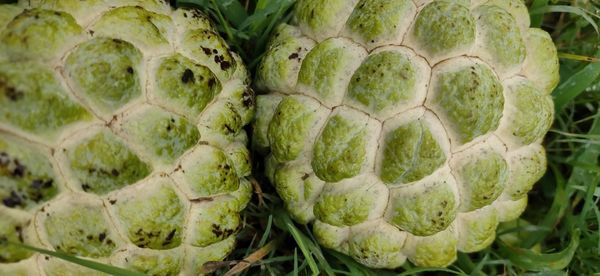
{"x":121,"y":137}
{"x":406,"y":129}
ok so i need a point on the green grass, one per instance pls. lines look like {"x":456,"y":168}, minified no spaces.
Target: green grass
{"x":559,"y":232}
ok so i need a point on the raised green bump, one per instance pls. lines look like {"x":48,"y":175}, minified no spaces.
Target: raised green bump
{"x":541,"y":65}
{"x":154,"y":262}
{"x":266,"y":105}
{"x":103,"y":163}
{"x":280,"y":65}
{"x":477,"y":230}
{"x":326,"y":65}
{"x":501,"y":36}
{"x":322,"y":17}
{"x":348,"y":207}
{"x":533,"y":113}
{"x":12,"y":228}
{"x":27,"y":178}
{"x":185,"y":85}
{"x":444,"y":26}
{"x":164,"y":135}
{"x":33,"y":99}
{"x":214,"y":222}
{"x":152,"y":218}
{"x":106,"y":72}
{"x":87,"y":234}
{"x":144,"y":27}
{"x":423,"y":210}
{"x":340,"y":151}
{"x":383,"y":80}
{"x":438,"y":250}
{"x":410,"y":154}
{"x":377,"y":20}
{"x":208,"y":172}
{"x":483,"y":177}
{"x":290,"y":128}
{"x":380,"y":247}
{"x":208,"y":48}
{"x":471,"y":99}
{"x":527,"y":166}
{"x":38,"y":33}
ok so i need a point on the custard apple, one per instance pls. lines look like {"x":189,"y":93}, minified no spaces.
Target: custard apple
{"x":405,"y":129}
{"x":121,"y":137}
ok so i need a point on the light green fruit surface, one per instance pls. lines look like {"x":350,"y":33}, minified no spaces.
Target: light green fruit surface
{"x":121,"y":139}
{"x":406,"y":130}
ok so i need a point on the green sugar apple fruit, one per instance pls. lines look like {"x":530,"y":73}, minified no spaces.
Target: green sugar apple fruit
{"x":406,"y":129}
{"x":121,"y":137}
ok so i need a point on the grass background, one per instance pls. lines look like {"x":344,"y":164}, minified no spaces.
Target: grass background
{"x":557,"y":235}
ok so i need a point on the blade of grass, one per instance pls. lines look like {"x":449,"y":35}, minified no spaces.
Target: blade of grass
{"x":576,"y":84}
{"x":288,"y":225}
{"x":533,"y":261}
{"x":254,"y":257}
{"x":112,"y":270}
{"x":565,"y":9}
{"x":537,"y":19}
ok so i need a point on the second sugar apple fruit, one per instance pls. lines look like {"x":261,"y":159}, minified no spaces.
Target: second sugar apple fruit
{"x":406,"y":129}
{"x":121,"y":137}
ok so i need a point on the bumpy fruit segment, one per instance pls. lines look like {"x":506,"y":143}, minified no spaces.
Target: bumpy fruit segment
{"x":121,"y":137}
{"x":405,"y":130}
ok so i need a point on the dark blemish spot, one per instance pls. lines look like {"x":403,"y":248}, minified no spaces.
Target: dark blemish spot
{"x":48,"y":183}
{"x":247,"y":98}
{"x":19,"y":170}
{"x":169,"y":237}
{"x":207,"y":51}
{"x":114,"y":172}
{"x":211,"y":82}
{"x":13,"y":94}
{"x":225,"y":65}
{"x":215,"y":51}
{"x":91,"y":33}
{"x":13,"y":200}
{"x":216,"y":229}
{"x":229,"y":129}
{"x":218,"y":59}
{"x":293,"y":56}
{"x":85,"y":187}
{"x":185,"y":15}
{"x":57,"y":13}
{"x":188,"y":76}
{"x":19,"y":231}
{"x":440,"y":213}
{"x":169,"y":127}
{"x":37,"y":184}
{"x":305,"y":176}
{"x":89,"y":237}
{"x":203,"y":143}
{"x":101,"y":237}
{"x":109,"y":242}
{"x":130,"y":70}
{"x":112,"y":201}
{"x":47,"y":258}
